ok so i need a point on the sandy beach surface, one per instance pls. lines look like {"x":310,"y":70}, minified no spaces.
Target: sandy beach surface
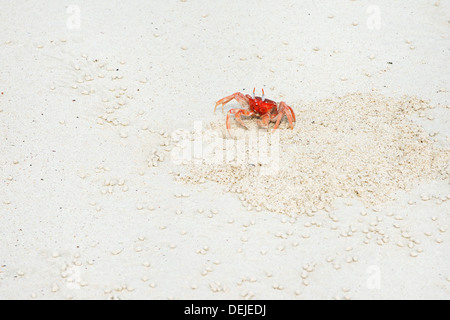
{"x":98,"y":97}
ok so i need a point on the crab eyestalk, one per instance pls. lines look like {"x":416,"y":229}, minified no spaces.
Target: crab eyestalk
{"x":253,"y":94}
{"x":263,"y":98}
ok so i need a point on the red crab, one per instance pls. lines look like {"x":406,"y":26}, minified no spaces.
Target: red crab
{"x":266,"y":109}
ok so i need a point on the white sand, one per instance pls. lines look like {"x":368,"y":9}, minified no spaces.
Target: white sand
{"x":76,"y":185}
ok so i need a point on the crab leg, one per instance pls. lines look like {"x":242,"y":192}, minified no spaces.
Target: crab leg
{"x":239,"y":97}
{"x":290,"y":109}
{"x":289,"y":117}
{"x":237,"y":114}
{"x":265,"y":119}
{"x":284,"y":110}
{"x":284,"y":105}
{"x":279,"y":117}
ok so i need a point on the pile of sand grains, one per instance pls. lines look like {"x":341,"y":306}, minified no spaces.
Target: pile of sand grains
{"x":359,"y":146}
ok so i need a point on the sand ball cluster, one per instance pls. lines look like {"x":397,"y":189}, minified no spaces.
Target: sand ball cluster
{"x":361,"y":146}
